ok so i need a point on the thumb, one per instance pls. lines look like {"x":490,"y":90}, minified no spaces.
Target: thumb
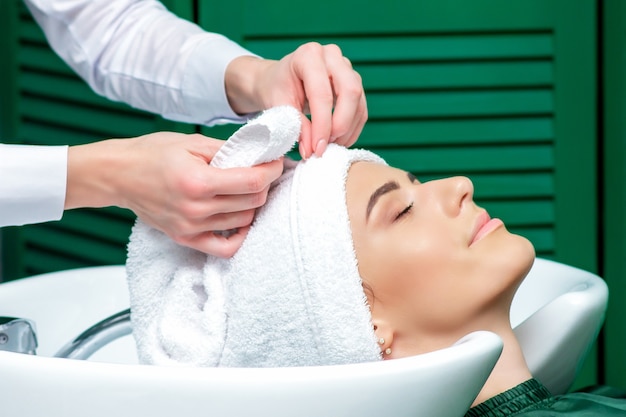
{"x":204,"y":147}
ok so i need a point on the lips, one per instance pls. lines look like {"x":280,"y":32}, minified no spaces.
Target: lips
{"x":484,"y":225}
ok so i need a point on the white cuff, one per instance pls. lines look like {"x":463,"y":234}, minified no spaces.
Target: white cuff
{"x":33,"y":181}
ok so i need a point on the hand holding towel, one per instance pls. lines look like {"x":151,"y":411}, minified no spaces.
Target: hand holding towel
{"x":291,"y":295}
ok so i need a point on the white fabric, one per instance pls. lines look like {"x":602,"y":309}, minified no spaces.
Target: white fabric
{"x":264,"y":139}
{"x":133,"y":51}
{"x":291,"y":295}
{"x":32,"y":183}
{"x":137,"y":52}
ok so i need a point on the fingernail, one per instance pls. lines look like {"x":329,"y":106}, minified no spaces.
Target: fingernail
{"x":321,"y":147}
{"x":301,"y":149}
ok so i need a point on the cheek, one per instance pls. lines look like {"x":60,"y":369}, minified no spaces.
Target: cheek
{"x":433,"y":283}
{"x":437,"y":284}
{"x":419,"y":274}
{"x":434,"y":292}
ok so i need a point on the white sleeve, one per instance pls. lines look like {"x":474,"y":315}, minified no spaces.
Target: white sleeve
{"x":33,"y":180}
{"x":137,"y":52}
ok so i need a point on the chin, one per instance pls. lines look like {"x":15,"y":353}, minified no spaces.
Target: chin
{"x":523,"y":254}
{"x":511,"y":254}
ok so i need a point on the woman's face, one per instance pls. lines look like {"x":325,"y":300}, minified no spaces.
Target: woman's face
{"x":434,"y":265}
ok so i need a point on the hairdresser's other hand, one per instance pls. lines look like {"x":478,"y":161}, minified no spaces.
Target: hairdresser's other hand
{"x":165,"y":179}
{"x":315,"y":79}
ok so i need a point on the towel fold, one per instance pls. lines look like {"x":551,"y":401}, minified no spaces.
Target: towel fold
{"x":290,"y":296}
{"x":268,"y":137}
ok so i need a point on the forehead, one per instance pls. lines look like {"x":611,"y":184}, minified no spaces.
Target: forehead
{"x":371,"y":173}
{"x":364,"y":178}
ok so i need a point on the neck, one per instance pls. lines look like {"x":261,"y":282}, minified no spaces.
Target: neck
{"x":510,"y":370}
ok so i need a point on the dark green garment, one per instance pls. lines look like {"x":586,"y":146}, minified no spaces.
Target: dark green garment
{"x":532,"y":399}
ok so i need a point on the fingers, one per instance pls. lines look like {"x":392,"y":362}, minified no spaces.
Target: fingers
{"x":201,"y":181}
{"x":241,"y":181}
{"x":216,"y":244}
{"x":233,"y":213}
{"x":350,"y":106}
{"x":204,"y":234}
{"x":229,"y":205}
{"x":188,"y":225}
{"x":335,"y":96}
{"x":309,"y":65}
{"x":357,"y":126}
{"x":219,"y":234}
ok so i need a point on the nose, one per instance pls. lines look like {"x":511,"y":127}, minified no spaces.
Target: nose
{"x":454,"y":193}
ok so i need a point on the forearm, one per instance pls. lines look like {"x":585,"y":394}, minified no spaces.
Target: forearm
{"x":137,"y":52}
{"x":94,"y":174}
{"x":32,"y":183}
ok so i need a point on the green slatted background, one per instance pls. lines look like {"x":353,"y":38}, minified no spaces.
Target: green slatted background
{"x":469,"y":88}
{"x":614,"y":183}
{"x":56,"y":107}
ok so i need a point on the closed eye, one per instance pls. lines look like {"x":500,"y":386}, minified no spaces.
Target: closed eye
{"x":407,"y":210}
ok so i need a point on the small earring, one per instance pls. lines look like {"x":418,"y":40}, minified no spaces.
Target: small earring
{"x":381,"y":341}
{"x":388,"y":351}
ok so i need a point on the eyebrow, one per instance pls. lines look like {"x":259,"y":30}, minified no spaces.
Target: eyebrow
{"x":382,"y":190}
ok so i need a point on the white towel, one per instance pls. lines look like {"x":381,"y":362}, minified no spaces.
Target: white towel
{"x":268,"y":137}
{"x":290,"y":296}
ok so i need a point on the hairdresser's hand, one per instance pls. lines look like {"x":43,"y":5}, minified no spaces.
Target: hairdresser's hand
{"x":166,"y":180}
{"x":314,"y":78}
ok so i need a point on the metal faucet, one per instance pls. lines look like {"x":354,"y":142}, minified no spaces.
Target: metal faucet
{"x":18,"y":335}
{"x":97,"y":336}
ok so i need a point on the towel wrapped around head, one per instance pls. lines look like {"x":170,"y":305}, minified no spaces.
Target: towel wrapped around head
{"x":291,"y":295}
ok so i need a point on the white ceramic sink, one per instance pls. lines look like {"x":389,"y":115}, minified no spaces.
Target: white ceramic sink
{"x":566,"y":303}
{"x":557,"y":313}
{"x":64,"y":304}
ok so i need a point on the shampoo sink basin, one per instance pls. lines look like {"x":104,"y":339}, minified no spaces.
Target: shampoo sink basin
{"x":64,"y":304}
{"x":565,"y":303}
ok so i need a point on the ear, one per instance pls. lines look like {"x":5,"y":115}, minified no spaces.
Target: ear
{"x":384,"y":335}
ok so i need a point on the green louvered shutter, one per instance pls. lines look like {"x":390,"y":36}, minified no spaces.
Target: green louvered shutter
{"x":55,"y":107}
{"x":502,"y":92}
{"x":614,"y":184}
